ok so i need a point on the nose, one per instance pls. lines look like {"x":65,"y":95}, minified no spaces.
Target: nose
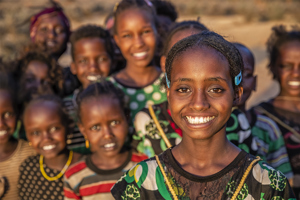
{"x":139,"y":41}
{"x":107,"y":133}
{"x":47,"y":135}
{"x":51,"y":33}
{"x":199,"y":100}
{"x":93,"y":66}
{"x":296,"y":71}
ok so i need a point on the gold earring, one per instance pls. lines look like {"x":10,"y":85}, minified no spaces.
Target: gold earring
{"x":29,"y":143}
{"x":87,"y":144}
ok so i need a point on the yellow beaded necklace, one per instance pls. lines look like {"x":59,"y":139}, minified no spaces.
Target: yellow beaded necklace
{"x":61,"y":173}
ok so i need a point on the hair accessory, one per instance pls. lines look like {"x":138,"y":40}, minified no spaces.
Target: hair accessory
{"x":116,"y":7}
{"x":149,"y":3}
{"x":167,"y":80}
{"x":61,"y":173}
{"x":238,"y":78}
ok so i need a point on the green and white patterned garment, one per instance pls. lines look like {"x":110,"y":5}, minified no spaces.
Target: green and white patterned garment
{"x":139,"y":98}
{"x":145,"y":181}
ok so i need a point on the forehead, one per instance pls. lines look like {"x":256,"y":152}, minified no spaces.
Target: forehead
{"x":247,"y":58}
{"x":200,"y":63}
{"x":133,"y":18}
{"x":290,"y":50}
{"x":42,"y":108}
{"x":50,"y":19}
{"x":179,"y":35}
{"x":5,"y":99}
{"x":93,"y":43}
{"x":37,"y":68}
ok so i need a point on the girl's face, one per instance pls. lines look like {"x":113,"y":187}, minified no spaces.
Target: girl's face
{"x":136,"y":37}
{"x":36,"y":78}
{"x":8,"y":118}
{"x":45,"y":129}
{"x":288,"y":65}
{"x":50,"y":33}
{"x":201,"y":93}
{"x":104,"y":124}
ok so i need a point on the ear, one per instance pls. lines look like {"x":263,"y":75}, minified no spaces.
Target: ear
{"x":73,"y":68}
{"x":238,"y":96}
{"x":116,"y":38}
{"x":163,"y":63}
{"x":81,"y":128}
{"x":255,"y":82}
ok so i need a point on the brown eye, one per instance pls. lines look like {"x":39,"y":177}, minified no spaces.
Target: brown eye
{"x":183,"y":90}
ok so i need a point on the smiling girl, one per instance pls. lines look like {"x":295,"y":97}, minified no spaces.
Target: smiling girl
{"x":135,"y":34}
{"x":103,"y":120}
{"x":203,"y":76}
{"x":46,"y":125}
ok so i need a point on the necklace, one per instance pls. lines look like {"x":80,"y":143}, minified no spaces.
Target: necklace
{"x":288,"y":98}
{"x":61,"y":173}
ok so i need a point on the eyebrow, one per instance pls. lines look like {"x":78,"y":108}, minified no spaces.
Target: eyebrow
{"x":184,"y":80}
{"x":217,"y":79}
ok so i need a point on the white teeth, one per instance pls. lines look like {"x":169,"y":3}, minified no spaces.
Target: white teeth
{"x":141,"y":54}
{"x":50,"y":44}
{"x":199,"y":120}
{"x":48,"y":147}
{"x":93,"y":77}
{"x":3,"y":132}
{"x":294,"y":83}
{"x":109,"y":145}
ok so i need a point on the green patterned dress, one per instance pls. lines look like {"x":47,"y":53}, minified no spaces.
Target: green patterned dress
{"x":145,"y":181}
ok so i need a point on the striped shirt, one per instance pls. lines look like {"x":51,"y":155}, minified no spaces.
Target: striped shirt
{"x":84,"y":180}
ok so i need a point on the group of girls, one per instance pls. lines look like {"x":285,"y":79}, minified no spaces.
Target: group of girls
{"x":153,"y":123}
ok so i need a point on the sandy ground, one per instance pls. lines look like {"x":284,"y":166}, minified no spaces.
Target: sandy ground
{"x":234,"y":28}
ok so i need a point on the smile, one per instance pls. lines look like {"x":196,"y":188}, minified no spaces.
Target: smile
{"x":294,"y":83}
{"x":49,"y":147}
{"x":110,"y":145}
{"x":140,"y":55}
{"x":94,"y":77}
{"x":3,"y":132}
{"x":51,"y":43}
{"x":199,"y":120}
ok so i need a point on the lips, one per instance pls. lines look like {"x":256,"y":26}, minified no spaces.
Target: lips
{"x":199,"y":120}
{"x":111,"y":146}
{"x":51,"y":44}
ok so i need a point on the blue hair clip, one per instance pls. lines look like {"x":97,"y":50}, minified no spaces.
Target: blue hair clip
{"x":238,"y":78}
{"x":167,"y":80}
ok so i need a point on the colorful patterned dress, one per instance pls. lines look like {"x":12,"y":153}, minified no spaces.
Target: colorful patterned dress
{"x":145,"y":181}
{"x":289,"y":125}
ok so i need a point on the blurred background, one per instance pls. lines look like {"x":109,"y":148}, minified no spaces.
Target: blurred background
{"x":245,"y":21}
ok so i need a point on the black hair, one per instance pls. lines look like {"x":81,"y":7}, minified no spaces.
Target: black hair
{"x":54,"y":72}
{"x":128,"y":4}
{"x":8,"y":84}
{"x":212,"y":40}
{"x":66,"y":120}
{"x":184,"y":25}
{"x":92,"y":31}
{"x":239,"y":45}
{"x":278,"y":37}
{"x":165,"y":8}
{"x":99,"y":89}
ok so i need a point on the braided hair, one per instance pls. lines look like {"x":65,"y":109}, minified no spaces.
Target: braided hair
{"x":146,"y":5}
{"x":184,"y":25}
{"x":92,"y":31}
{"x":104,"y":88}
{"x":212,"y":40}
{"x":279,"y":36}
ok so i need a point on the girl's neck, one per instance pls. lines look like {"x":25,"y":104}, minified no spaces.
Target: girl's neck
{"x":287,"y":103}
{"x":138,"y":77}
{"x":212,"y":155}
{"x":7,"y":149}
{"x":108,"y":163}
{"x":59,"y":161}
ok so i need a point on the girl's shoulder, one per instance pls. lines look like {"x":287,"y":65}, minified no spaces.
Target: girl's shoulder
{"x":78,"y":166}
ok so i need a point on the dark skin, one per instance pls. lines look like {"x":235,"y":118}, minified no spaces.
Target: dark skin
{"x":203,"y":89}
{"x":136,"y":34}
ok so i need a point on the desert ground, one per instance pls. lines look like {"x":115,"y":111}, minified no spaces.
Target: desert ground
{"x":229,"y":21}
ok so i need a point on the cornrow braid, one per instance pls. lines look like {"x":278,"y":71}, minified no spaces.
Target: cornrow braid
{"x":104,"y":88}
{"x":92,"y":31}
{"x":129,"y":4}
{"x":278,"y":37}
{"x":212,"y":40}
{"x":184,"y":25}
